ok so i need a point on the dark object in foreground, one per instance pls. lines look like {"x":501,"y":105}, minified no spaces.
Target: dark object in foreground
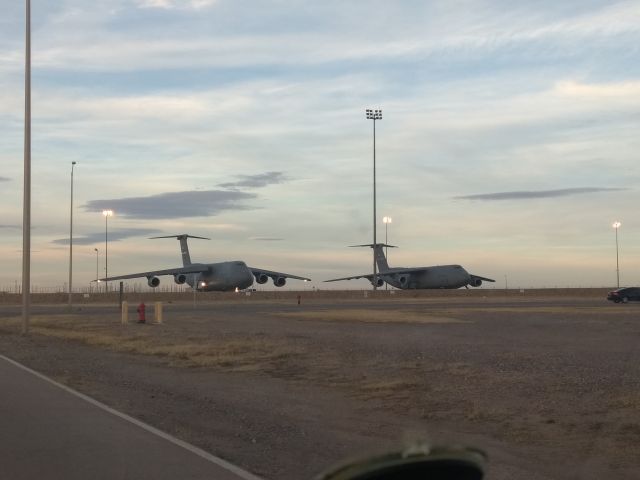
{"x":624,"y":295}
{"x":415,"y":463}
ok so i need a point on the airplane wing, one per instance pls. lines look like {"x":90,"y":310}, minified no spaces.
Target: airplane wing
{"x":158,"y":273}
{"x":482,"y":278}
{"x":257,"y":271}
{"x":368,"y":277}
{"x":403,"y":270}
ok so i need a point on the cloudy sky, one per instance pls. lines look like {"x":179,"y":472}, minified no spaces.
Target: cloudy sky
{"x":509,"y":141}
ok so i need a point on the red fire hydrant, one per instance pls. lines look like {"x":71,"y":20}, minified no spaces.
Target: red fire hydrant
{"x":141,"y":313}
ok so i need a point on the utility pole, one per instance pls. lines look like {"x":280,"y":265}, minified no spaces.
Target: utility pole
{"x":26,"y":208}
{"x":71,"y":242}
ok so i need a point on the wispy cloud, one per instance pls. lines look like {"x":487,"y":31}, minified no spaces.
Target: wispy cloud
{"x":114,"y":236}
{"x":532,"y":194}
{"x":174,"y":204}
{"x":256,"y":181}
{"x":302,"y":41}
{"x":266,"y":239}
{"x":176,"y":4}
{"x":572,"y":88}
{"x":5,"y":179}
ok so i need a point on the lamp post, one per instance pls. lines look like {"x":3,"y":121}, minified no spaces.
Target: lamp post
{"x":107,"y":214}
{"x":374,"y":115}
{"x":616,"y":226}
{"x":96,"y":250}
{"x":26,"y":202}
{"x":386,"y":221}
{"x":71,"y":240}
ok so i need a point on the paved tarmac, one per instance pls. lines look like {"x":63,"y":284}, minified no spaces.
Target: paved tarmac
{"x":49,"y":431}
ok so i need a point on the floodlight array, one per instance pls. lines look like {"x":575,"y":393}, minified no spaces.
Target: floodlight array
{"x":374,"y":114}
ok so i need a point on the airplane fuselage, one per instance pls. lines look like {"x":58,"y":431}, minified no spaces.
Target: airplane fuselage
{"x":441,"y":276}
{"x":221,"y":277}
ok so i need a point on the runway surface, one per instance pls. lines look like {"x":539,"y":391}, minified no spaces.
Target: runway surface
{"x":49,"y":431}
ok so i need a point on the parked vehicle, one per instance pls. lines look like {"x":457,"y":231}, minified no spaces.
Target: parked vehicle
{"x":624,"y":295}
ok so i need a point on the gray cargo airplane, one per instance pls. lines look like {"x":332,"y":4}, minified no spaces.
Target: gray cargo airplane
{"x":206,"y":277}
{"x":441,"y":276}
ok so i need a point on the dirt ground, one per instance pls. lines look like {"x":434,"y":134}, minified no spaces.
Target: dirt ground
{"x":549,"y":387}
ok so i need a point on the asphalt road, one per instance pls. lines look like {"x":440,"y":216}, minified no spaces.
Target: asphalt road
{"x":49,"y":431}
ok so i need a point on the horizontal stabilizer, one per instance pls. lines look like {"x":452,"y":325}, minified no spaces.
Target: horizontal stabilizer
{"x":184,"y":235}
{"x":371,"y":245}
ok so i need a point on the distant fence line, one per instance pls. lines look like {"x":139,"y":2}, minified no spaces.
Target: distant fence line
{"x":170,"y":295}
{"x":98,"y":288}
{"x":16,"y":288}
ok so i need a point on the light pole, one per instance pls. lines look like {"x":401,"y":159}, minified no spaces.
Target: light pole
{"x":386,"y":221}
{"x":374,"y":115}
{"x":616,"y":226}
{"x":26,"y":202}
{"x":96,"y":250}
{"x":107,"y":214}
{"x":71,"y":240}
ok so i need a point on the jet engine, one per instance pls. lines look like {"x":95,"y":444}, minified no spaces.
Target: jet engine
{"x":180,"y":278}
{"x":261,"y":278}
{"x":475,"y":282}
{"x":403,"y":280}
{"x":153,"y":281}
{"x":379,"y":282}
{"x":279,"y":281}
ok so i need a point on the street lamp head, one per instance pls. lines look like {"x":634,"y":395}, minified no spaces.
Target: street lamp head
{"x":107,"y":213}
{"x":616,"y":225}
{"x":95,"y":250}
{"x":73,"y":163}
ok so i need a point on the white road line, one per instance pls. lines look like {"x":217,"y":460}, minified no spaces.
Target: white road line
{"x":176,"y":441}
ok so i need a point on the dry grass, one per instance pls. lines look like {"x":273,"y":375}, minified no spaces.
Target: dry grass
{"x":386,"y":389}
{"x":370,"y":316}
{"x":235,"y":353}
{"x":629,"y":401}
{"x":577,"y":310}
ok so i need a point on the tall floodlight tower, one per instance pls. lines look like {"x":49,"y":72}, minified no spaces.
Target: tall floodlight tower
{"x":26,"y":203}
{"x":374,"y":115}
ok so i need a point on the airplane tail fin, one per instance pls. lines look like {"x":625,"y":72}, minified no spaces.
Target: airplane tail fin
{"x":378,"y":252}
{"x":184,"y":247}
